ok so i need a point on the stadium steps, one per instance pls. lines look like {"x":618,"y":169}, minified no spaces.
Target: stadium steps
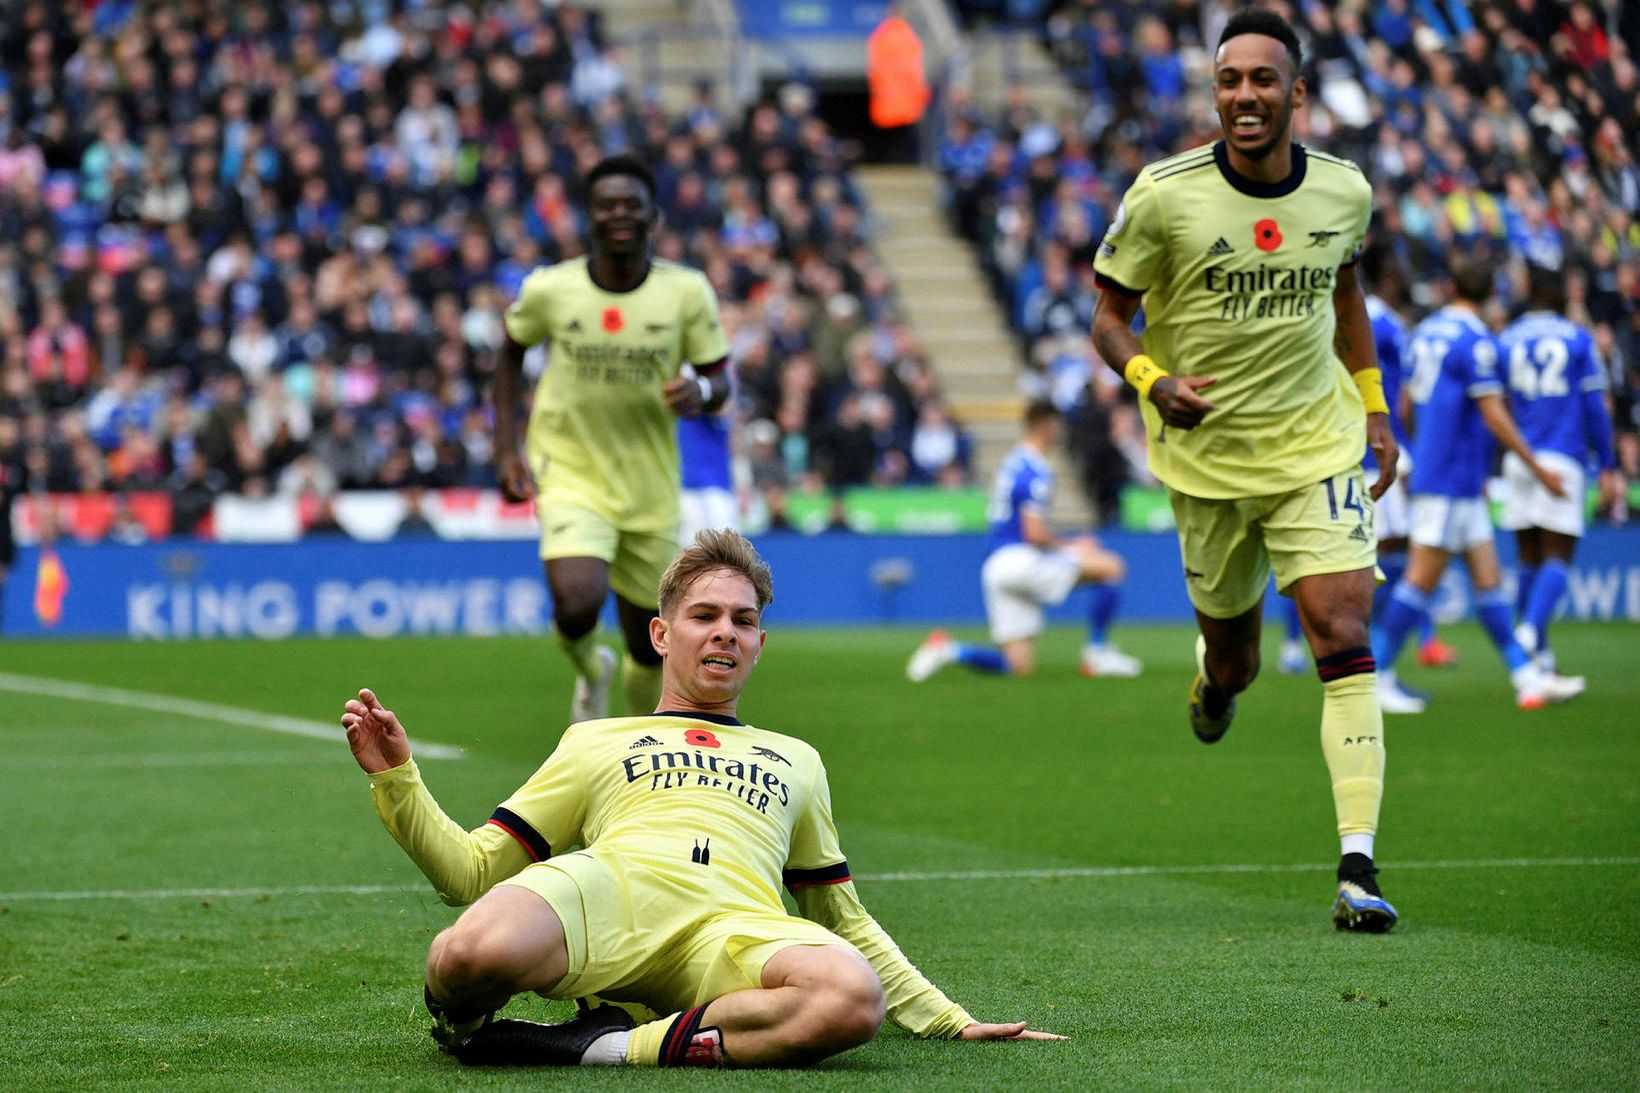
{"x":949,"y":304}
{"x":667,"y":46}
{"x":994,"y":58}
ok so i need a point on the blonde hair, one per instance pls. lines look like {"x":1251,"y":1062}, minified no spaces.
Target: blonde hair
{"x":716,"y":548}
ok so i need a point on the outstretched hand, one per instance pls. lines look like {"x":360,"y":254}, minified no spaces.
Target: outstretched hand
{"x":1014,"y":1030}
{"x":374,"y":733}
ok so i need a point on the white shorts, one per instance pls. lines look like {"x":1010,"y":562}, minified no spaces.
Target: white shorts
{"x":1452,"y":524}
{"x":1527,"y":504}
{"x":1019,"y":580}
{"x":701,"y":509}
{"x":1393,"y":511}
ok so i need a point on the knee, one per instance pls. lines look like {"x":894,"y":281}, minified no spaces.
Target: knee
{"x":461,"y":960}
{"x":1339,"y":630}
{"x":575,"y":613}
{"x":854,"y":1008}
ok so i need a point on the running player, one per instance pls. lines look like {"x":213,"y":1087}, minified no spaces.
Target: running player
{"x":1028,"y":568}
{"x":1260,"y":392}
{"x":690,"y":822}
{"x":1557,"y":391}
{"x":1458,"y":409}
{"x":602,"y":445}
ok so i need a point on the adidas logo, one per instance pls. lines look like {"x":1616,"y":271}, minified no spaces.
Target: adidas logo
{"x":1220,"y":249}
{"x":574,"y":326}
{"x":644,"y":742}
{"x":1359,"y":534}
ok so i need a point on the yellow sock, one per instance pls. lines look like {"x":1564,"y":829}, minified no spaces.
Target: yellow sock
{"x":643,"y":687}
{"x":582,"y":652}
{"x":677,"y":1040}
{"x":1352,"y":739}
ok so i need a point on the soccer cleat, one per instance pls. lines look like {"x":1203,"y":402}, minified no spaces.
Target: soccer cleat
{"x":1536,"y":688}
{"x":1207,"y":727}
{"x":1436,"y":653}
{"x":936,"y":651}
{"x":448,"y":1030}
{"x":1294,"y":659}
{"x":1359,"y":906}
{"x":509,"y":1042}
{"x":1107,"y":660}
{"x":1393,"y":698}
{"x":591,"y":700}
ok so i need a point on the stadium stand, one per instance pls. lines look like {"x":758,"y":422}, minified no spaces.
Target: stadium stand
{"x":261,"y":253}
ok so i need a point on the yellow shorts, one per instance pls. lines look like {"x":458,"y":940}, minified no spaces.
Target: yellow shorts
{"x":1231,"y":545}
{"x":636,"y":559}
{"x":636,"y":934}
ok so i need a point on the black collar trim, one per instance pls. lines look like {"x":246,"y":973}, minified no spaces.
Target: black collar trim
{"x":1252,"y":187}
{"x":715,"y":718}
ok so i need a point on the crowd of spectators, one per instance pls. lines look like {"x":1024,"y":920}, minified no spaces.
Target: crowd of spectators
{"x":1505,"y":127}
{"x":264,"y":249}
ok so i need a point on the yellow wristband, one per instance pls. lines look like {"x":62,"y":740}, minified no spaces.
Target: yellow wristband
{"x":1142,"y":373}
{"x":1370,"y":382}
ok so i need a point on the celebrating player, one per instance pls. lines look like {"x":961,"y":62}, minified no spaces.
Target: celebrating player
{"x":1243,"y":254}
{"x":603,"y":453}
{"x":1458,"y":408}
{"x":1028,"y":567}
{"x":689,"y":823}
{"x":1557,"y":391}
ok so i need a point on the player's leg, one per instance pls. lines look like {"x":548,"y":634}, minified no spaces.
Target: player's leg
{"x":1434,"y":536}
{"x":1533,"y":686}
{"x":510,"y":940}
{"x":635,"y":575}
{"x":1334,"y":609}
{"x":1104,"y":571}
{"x":814,"y":1001}
{"x":1529,"y":556}
{"x":1226,"y":571}
{"x":577,"y":548}
{"x":1557,"y":549}
{"x":1013,"y":607}
{"x":1325,"y":557}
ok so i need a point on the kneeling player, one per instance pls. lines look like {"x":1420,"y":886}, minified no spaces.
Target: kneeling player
{"x":689,"y":823}
{"x":1029,"y":568}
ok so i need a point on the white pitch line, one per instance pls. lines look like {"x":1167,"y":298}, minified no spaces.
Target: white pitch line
{"x":207,"y":711}
{"x":979,"y":874}
{"x":160,"y":759}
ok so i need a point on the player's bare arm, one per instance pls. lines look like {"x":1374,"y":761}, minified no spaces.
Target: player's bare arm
{"x":1014,"y":1030}
{"x":1175,"y":396}
{"x":1501,"y":424}
{"x":378,"y":740}
{"x":511,"y":472}
{"x":1352,"y":341}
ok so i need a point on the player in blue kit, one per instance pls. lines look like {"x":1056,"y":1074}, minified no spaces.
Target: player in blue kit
{"x":1028,"y":568}
{"x":1557,"y":390}
{"x":706,"y":454}
{"x":1458,"y":409}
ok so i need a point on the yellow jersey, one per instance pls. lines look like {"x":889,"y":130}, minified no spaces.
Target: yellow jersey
{"x":1237,"y":279}
{"x":718,"y":814}
{"x":600,"y":433}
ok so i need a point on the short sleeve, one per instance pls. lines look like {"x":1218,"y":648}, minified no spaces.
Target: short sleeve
{"x":1594,"y":367}
{"x":526,"y":320}
{"x":1483,"y":369}
{"x":703,"y":340}
{"x":1131,"y":257}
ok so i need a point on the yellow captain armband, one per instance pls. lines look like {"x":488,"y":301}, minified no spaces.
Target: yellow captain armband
{"x":1370,"y":382}
{"x":1142,"y":373}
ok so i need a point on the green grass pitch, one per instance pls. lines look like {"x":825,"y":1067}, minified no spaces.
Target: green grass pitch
{"x":198,"y":902}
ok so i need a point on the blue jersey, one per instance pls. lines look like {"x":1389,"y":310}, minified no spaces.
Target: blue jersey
{"x":1389,"y":335}
{"x":1454,"y":362}
{"x":704,"y":452}
{"x":1024,"y":483}
{"x":1557,"y":386}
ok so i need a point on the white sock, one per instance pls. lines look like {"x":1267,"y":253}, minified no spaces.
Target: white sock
{"x":607,"y":1050}
{"x":1355,"y":844}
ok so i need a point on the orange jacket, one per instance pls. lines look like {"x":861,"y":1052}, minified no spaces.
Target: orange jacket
{"x":894,"y":71}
